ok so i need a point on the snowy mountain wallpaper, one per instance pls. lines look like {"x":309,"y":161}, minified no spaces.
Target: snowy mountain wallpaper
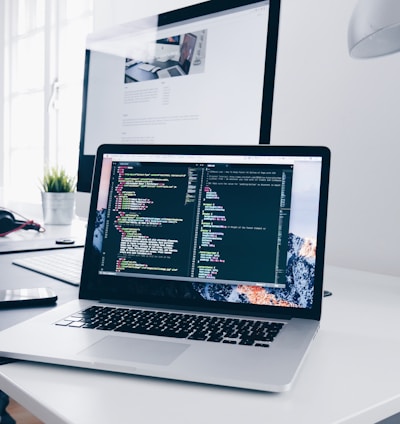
{"x":299,"y":276}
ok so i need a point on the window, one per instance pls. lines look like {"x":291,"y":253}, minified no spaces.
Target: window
{"x":43,"y":58}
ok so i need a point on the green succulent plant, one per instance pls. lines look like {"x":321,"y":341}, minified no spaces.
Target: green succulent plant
{"x":56,"y":180}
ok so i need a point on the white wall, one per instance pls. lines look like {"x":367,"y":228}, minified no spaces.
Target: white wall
{"x":353,"y":106}
{"x":322,"y":96}
{"x":2,"y":82}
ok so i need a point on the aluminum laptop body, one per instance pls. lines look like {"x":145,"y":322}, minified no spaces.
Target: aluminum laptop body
{"x":213,"y":231}
{"x":185,"y":59}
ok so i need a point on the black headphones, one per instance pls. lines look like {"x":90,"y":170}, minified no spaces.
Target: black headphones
{"x":9,"y":224}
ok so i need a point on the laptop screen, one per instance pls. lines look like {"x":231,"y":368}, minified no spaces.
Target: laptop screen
{"x":238,"y":229}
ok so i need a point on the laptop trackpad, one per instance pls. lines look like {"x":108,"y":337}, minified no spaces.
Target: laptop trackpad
{"x":136,"y":350}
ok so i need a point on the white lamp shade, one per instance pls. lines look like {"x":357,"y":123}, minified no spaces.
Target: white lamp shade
{"x":374,"y":28}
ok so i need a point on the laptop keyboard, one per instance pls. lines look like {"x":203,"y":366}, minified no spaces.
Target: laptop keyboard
{"x":183,"y":326}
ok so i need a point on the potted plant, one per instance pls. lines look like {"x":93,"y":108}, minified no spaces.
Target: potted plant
{"x":58,"y":196}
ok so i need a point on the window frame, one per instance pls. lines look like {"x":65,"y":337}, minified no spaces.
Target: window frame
{"x":56,"y":19}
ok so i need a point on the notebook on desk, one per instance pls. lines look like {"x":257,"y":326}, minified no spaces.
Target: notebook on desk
{"x":14,"y":245}
{"x":201,"y":263}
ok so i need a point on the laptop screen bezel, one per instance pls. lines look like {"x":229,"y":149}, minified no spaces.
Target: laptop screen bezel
{"x":112,"y":289}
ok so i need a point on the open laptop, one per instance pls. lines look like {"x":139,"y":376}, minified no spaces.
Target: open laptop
{"x":187,"y":247}
{"x":185,"y":59}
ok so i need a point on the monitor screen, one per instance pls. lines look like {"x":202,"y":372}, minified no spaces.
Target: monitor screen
{"x":203,"y":74}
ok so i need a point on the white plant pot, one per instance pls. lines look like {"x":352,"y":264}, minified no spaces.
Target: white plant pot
{"x":58,"y":208}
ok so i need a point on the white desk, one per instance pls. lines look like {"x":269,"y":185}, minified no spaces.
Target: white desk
{"x":351,"y":375}
{"x":20,"y":245}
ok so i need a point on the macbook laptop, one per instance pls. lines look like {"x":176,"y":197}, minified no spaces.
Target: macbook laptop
{"x":201,"y":263}
{"x":185,"y":59}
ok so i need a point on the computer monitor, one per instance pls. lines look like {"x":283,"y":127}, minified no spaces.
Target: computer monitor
{"x":203,"y":74}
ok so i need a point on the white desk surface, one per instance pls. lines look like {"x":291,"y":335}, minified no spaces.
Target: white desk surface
{"x":351,"y":375}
